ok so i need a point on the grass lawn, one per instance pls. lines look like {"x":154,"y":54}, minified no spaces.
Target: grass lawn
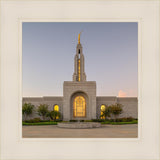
{"x":55,"y":123}
{"x":120,"y":123}
{"x":39,"y":123}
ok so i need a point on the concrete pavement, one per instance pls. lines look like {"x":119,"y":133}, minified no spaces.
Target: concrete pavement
{"x":106,"y":131}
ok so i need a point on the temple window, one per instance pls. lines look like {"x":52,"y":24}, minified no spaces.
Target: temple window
{"x":56,"y":108}
{"x":103,"y":107}
{"x":79,"y":70}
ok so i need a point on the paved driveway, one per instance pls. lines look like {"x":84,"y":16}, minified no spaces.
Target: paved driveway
{"x":106,"y":131}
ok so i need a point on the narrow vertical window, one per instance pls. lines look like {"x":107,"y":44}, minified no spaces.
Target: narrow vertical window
{"x":56,"y":108}
{"x":103,"y":107}
{"x":79,"y":70}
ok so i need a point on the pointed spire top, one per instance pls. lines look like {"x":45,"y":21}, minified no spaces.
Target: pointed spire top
{"x":79,"y":37}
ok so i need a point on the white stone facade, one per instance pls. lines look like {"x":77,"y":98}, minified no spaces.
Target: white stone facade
{"x":130,"y":105}
{"x":72,"y":89}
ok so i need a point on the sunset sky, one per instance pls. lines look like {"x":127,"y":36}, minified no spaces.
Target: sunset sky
{"x":110,"y":51}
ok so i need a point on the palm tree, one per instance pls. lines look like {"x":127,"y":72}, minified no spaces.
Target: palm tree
{"x":42,"y":110}
{"x":27,"y":110}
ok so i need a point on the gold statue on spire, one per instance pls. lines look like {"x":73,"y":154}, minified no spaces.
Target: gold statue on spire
{"x":79,"y":37}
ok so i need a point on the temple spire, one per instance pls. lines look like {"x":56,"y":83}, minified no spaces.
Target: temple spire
{"x":79,"y":73}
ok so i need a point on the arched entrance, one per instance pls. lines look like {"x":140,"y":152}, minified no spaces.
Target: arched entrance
{"x":79,"y":106}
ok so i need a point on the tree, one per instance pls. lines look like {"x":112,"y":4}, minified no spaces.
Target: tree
{"x":54,"y":115}
{"x":107,"y":112}
{"x":27,"y":110}
{"x":42,"y":110}
{"x":116,"y":110}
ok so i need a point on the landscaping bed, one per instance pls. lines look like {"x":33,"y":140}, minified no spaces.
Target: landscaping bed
{"x":102,"y":122}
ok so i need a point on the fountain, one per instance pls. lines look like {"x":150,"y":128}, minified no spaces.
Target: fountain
{"x":79,"y":125}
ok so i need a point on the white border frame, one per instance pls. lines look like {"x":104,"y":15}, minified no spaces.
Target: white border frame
{"x":139,"y":79}
{"x":19,"y":146}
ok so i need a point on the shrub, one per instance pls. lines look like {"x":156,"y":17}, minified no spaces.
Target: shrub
{"x":73,"y":121}
{"x":98,"y":120}
{"x":35,"y":120}
{"x":87,"y":120}
{"x":54,"y":115}
{"x":94,"y":120}
{"x":116,"y":110}
{"x":29,"y":121}
{"x":123,"y":119}
{"x":120,"y":123}
{"x":58,"y":120}
{"x":129,"y":119}
{"x":111,"y":120}
{"x":40,"y":123}
{"x":107,"y":112}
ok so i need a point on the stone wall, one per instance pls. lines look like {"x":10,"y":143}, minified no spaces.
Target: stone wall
{"x":51,"y":101}
{"x":104,"y":101}
{"x":130,"y":105}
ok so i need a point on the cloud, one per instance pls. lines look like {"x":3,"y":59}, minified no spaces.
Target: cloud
{"x":122,"y":94}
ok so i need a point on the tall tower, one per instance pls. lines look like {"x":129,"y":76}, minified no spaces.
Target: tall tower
{"x":79,"y":73}
{"x":79,"y":95}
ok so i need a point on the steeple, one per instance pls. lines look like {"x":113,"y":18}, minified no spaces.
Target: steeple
{"x":79,"y":73}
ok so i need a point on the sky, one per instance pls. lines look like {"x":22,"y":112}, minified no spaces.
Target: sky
{"x":110,"y":50}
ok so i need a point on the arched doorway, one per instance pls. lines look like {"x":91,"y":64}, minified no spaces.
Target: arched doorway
{"x":79,"y":106}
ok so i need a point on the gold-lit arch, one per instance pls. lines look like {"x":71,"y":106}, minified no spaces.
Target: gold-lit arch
{"x":79,"y":70}
{"x":79,"y":106}
{"x":103,"y":107}
{"x":56,"y":108}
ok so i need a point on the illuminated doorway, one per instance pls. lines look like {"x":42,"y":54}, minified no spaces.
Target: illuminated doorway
{"x":79,"y":106}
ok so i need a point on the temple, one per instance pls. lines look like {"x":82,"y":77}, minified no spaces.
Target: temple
{"x":79,"y":101}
